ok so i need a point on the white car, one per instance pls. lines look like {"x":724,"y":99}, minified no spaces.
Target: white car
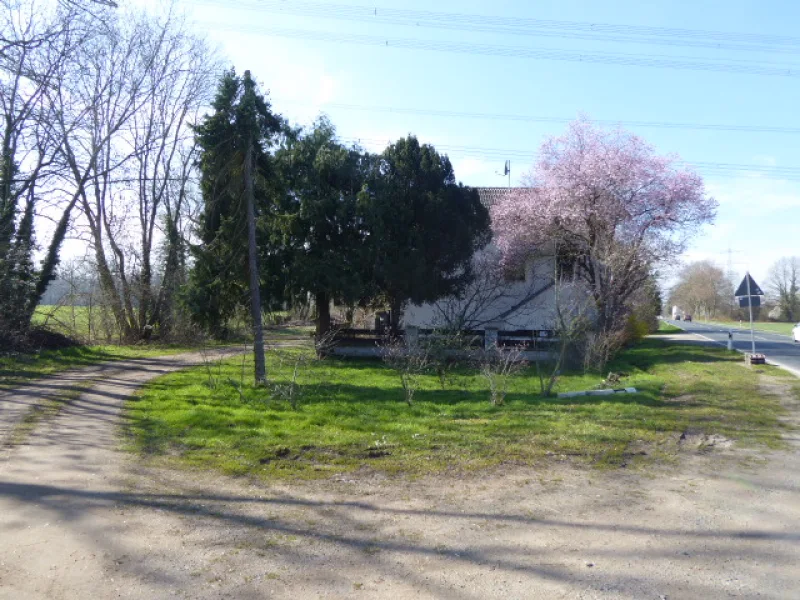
{"x":796,"y":333}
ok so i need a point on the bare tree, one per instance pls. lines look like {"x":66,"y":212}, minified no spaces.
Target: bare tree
{"x":411,"y":363}
{"x":37,"y":41}
{"x":784,"y":283}
{"x":702,"y":289}
{"x":498,"y":365}
{"x":126,"y":127}
{"x":180,"y":83}
{"x":95,"y":103}
{"x":97,"y":106}
{"x":573,"y":317}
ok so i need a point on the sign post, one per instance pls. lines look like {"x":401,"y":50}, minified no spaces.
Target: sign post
{"x":750,"y":306}
{"x":749,"y":292}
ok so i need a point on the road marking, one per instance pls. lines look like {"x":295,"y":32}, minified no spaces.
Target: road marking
{"x":791,"y":370}
{"x":723,"y":344}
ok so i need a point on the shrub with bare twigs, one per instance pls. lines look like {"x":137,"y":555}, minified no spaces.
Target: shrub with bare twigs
{"x":498,"y":365}
{"x":409,"y":363}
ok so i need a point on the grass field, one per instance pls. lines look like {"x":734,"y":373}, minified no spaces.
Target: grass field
{"x":351,"y":416}
{"x":781,"y":328}
{"x":69,"y":320}
{"x":664,"y":327}
{"x":74,"y":321}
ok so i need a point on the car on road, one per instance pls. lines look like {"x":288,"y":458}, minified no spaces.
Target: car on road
{"x":677,"y":317}
{"x":796,"y":333}
{"x":687,"y":318}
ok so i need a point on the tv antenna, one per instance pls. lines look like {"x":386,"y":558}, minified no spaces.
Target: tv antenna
{"x":506,"y":172}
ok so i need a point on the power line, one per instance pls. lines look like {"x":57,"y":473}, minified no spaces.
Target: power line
{"x":602,"y":32}
{"x":707,"y":167}
{"x":743,"y":67}
{"x":559,"y":120}
{"x":376,"y":144}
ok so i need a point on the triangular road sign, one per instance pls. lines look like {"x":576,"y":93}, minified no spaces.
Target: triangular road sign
{"x":754,"y":290}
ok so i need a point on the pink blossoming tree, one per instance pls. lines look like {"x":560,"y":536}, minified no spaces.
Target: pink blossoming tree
{"x":609,"y":206}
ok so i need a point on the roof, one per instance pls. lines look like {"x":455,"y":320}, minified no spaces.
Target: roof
{"x":490,"y":195}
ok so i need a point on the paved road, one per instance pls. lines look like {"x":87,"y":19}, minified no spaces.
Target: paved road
{"x":779,"y":349}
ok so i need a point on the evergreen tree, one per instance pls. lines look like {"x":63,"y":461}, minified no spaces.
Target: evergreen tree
{"x":424,"y":228}
{"x":17,"y":272}
{"x":235,"y":137}
{"x":321,"y":237}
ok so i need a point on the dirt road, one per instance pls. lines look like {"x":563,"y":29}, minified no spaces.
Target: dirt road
{"x":81,"y":520}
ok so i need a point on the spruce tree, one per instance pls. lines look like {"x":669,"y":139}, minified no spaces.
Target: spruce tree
{"x":234,"y":144}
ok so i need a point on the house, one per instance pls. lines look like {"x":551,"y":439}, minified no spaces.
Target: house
{"x":523,"y":299}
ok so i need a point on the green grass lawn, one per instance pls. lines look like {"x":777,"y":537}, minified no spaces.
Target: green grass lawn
{"x":72,"y":321}
{"x":351,"y":415}
{"x":781,"y":328}
{"x":664,"y":327}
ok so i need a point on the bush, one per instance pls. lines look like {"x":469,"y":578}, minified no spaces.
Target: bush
{"x":600,"y":347}
{"x":637,"y":328}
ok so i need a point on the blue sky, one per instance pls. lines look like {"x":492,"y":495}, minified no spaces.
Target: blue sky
{"x":759,"y":215}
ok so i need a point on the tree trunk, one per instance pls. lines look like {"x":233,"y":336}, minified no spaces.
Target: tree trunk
{"x":396,"y":309}
{"x":145,"y":293}
{"x":163,"y":309}
{"x":323,"y":303}
{"x":51,"y":260}
{"x":111,"y":294}
{"x":255,"y":280}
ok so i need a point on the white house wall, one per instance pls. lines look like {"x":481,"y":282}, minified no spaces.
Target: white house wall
{"x":538,"y":313}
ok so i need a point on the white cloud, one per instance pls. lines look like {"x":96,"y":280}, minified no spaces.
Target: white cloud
{"x":468,"y":167}
{"x":303,"y":92}
{"x":755,"y":196}
{"x":298,"y":88}
{"x":756,"y":220}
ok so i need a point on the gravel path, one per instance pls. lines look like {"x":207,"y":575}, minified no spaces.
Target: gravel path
{"x":79,"y":520}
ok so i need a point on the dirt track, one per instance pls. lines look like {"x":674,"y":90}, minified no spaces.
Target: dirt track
{"x":81,"y":520}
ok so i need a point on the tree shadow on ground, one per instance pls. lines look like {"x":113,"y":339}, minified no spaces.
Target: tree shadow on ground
{"x":343,"y":526}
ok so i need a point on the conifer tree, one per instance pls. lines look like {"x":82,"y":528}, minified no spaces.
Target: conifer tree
{"x":235,"y":166}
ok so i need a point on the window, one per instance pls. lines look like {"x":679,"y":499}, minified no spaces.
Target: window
{"x":515,"y":273}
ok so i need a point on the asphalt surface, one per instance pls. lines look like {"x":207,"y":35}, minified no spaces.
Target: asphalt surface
{"x":779,"y":349}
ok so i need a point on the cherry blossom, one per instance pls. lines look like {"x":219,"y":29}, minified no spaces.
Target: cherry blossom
{"x":613,"y":207}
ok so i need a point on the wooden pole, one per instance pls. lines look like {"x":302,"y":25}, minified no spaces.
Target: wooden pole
{"x":252,"y":249}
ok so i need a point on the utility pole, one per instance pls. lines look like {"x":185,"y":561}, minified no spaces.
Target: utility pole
{"x":252,"y":249}
{"x":732,"y":282}
{"x":730,"y":260}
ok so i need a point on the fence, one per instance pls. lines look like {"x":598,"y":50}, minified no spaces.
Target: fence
{"x":369,"y":342}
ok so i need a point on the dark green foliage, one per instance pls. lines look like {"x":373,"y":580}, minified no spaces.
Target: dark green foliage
{"x":334,"y":222}
{"x":423,"y":226}
{"x":320,"y":234}
{"x":8,"y":205}
{"x":218,"y":284}
{"x":17,"y":272}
